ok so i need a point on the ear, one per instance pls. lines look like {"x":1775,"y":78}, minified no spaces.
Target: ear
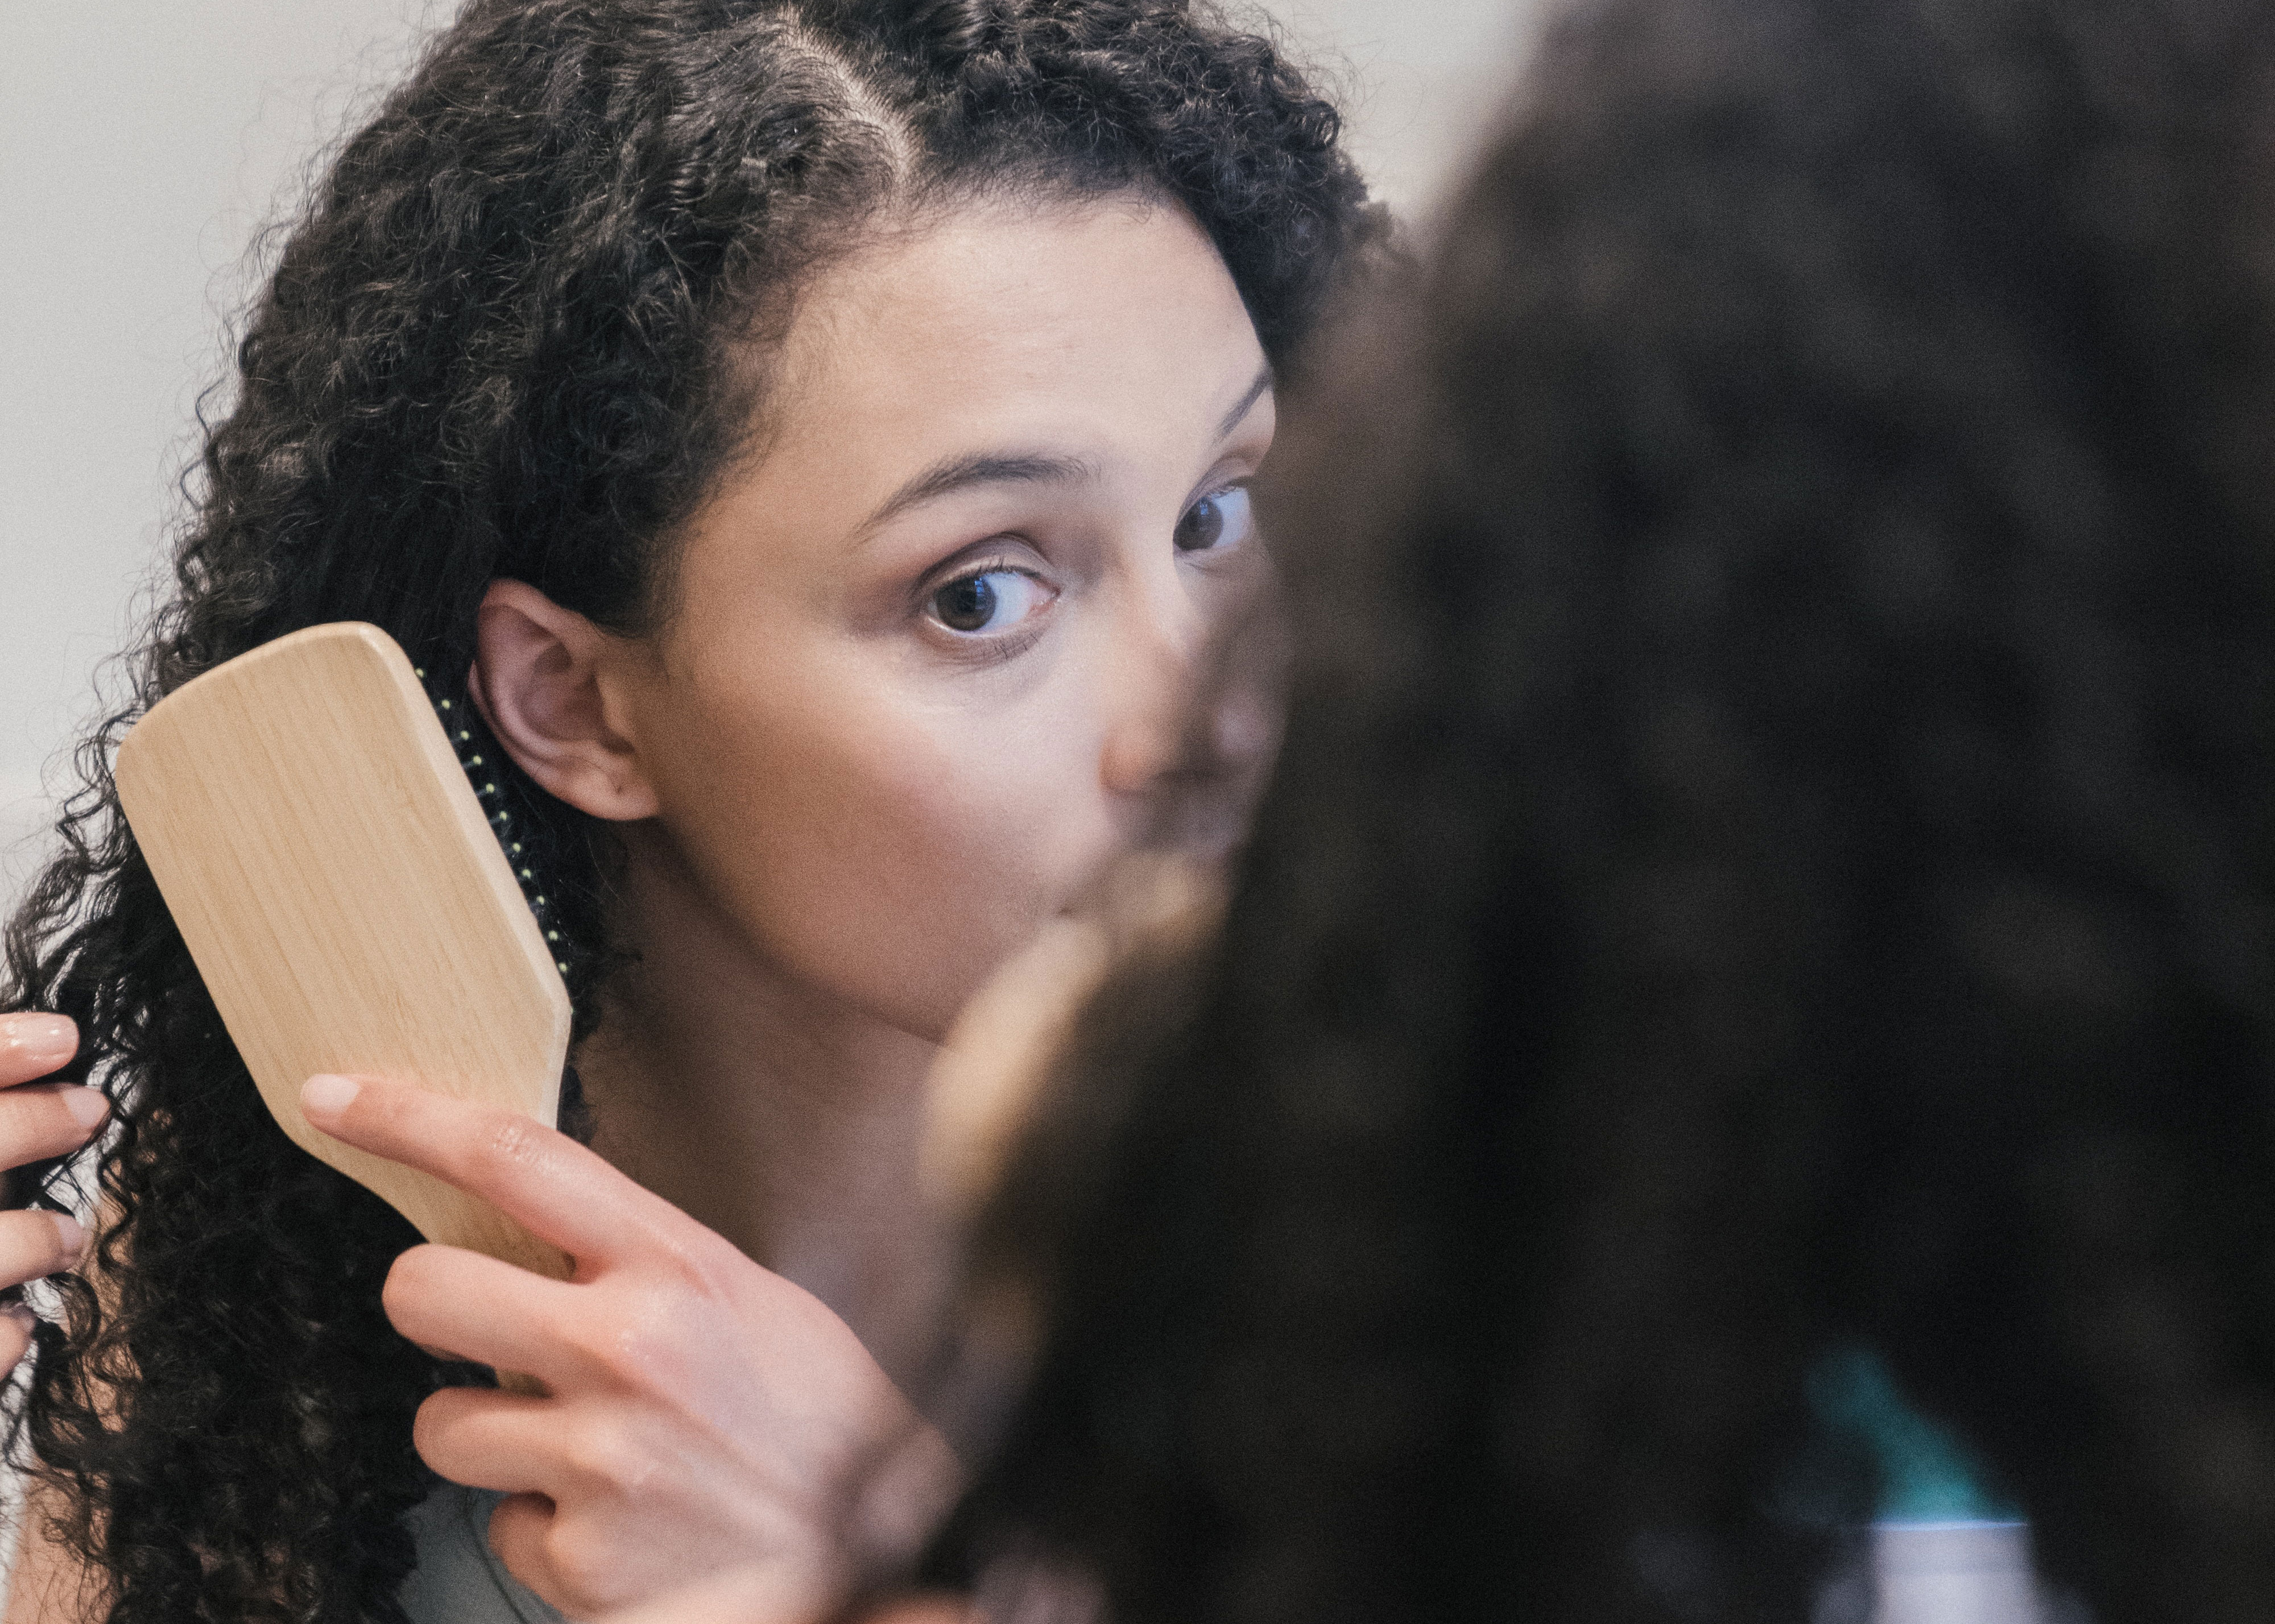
{"x":551,"y":685}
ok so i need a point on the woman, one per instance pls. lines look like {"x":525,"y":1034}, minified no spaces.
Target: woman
{"x":800,"y":443}
{"x":1771,"y":857}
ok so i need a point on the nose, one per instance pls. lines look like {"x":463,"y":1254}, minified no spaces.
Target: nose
{"x":1152,"y":667}
{"x":1193,"y":716}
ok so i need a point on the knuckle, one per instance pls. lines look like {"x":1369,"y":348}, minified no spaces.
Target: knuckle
{"x":609,"y":1456}
{"x":514,"y":1141}
{"x":703,"y":1264}
{"x":630,"y":1342}
{"x":592,"y":1337}
{"x":506,"y":1149}
{"x":644,"y":1344}
{"x":689,"y":1274}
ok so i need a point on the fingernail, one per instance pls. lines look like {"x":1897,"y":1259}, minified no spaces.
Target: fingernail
{"x":43,"y":1039}
{"x":326,"y":1095}
{"x":70,"y":1235}
{"x":87,"y":1105}
{"x":21,"y":1315}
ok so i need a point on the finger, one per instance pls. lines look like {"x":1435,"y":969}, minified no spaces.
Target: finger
{"x":577,"y":1456}
{"x":556,"y":1187}
{"x":33,"y":1046}
{"x":489,"y":1439}
{"x":482,"y":1311}
{"x":35,"y":1245}
{"x":521,"y":1533}
{"x":41,"y":1119}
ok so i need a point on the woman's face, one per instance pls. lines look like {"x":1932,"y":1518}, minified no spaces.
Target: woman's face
{"x":927,"y":648}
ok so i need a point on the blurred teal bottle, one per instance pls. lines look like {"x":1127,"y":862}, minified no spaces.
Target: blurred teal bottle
{"x":1927,"y":1473}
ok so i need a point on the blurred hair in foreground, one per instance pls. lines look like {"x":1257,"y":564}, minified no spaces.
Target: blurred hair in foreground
{"x":1773,"y":851}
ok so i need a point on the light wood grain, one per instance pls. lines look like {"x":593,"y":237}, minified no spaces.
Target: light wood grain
{"x":336,"y":879}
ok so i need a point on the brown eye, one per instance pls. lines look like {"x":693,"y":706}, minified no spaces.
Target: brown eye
{"x":967,"y":604}
{"x":1216,"y":521}
{"x":991,"y":600}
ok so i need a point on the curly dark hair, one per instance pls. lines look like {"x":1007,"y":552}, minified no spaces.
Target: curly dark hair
{"x":1774,"y":851}
{"x":513,"y":336}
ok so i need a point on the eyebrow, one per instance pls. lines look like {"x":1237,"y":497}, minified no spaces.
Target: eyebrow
{"x":956,"y":473}
{"x":1247,"y":402}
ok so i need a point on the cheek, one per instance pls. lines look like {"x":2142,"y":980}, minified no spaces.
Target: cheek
{"x":887,"y":851}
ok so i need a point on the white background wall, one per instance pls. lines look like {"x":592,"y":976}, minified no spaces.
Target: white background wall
{"x":144,"y":144}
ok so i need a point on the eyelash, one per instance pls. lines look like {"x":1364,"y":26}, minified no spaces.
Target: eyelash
{"x":987,"y":648}
{"x":984,"y":648}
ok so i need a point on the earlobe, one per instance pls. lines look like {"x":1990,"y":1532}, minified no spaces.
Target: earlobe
{"x":551,"y":685}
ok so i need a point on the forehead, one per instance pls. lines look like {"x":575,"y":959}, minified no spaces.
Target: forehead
{"x":1061,"y":319}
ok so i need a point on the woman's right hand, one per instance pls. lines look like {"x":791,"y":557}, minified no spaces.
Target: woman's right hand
{"x":698,"y":1412}
{"x":38,"y":1121}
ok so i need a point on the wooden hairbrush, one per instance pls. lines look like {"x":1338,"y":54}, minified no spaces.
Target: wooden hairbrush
{"x":338,"y":881}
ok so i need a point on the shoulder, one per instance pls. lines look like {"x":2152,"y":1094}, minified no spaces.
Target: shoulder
{"x":47,"y":1583}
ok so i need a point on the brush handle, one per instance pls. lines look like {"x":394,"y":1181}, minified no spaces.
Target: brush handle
{"x":344,"y":891}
